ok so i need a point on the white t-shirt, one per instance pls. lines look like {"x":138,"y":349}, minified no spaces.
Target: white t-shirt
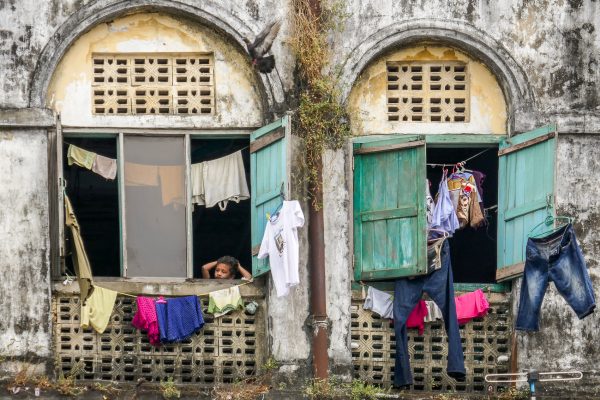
{"x":280,"y":244}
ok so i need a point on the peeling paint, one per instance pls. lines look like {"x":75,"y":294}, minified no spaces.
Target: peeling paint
{"x":238,"y":102}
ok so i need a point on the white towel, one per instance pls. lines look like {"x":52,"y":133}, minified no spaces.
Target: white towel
{"x":220,"y":181}
{"x":433,"y":311}
{"x":379,"y":302}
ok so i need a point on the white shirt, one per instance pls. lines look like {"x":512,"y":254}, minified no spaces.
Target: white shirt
{"x":380,"y":302}
{"x":280,"y":244}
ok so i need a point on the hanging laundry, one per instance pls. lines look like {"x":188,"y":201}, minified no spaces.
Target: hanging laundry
{"x":379,"y":302}
{"x":444,"y":213}
{"x":220,"y":181}
{"x":429,"y":203}
{"x":476,"y":218}
{"x":439,"y":285}
{"x":178,"y":318}
{"x":105,"y":167}
{"x":280,"y":244}
{"x":416,"y":318}
{"x":479,"y":179}
{"x":471,"y":305}
{"x":145,"y":318}
{"x":433,"y":312}
{"x":554,"y":257}
{"x":434,"y":253}
{"x":221,"y":302}
{"x":98,"y":308}
{"x":172,"y":184}
{"x":81,"y":263}
{"x":81,"y":157}
{"x":140,"y":174}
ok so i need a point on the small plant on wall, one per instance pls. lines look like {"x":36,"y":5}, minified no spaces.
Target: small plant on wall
{"x":322,"y":120}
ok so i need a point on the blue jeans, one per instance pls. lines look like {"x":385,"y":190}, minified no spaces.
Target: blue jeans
{"x":407,"y":292}
{"x":556,"y":257}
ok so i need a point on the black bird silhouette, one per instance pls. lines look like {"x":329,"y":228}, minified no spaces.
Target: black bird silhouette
{"x":261,"y":46}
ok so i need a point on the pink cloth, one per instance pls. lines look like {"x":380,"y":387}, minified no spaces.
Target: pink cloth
{"x":471,"y":305}
{"x":416,"y":319}
{"x":145,"y":318}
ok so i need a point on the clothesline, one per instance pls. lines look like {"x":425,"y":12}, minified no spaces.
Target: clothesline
{"x":198,"y":295}
{"x":461,"y":162}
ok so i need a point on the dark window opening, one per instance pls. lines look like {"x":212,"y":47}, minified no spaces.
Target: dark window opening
{"x":473,"y":251}
{"x":96,"y":204}
{"x":218,"y":233}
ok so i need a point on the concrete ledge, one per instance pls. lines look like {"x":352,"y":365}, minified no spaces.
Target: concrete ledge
{"x":26,"y":118}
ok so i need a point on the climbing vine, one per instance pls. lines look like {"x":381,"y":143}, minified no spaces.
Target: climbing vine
{"x":322,"y":120}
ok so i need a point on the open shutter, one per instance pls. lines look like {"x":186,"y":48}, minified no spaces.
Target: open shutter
{"x":269,"y":175}
{"x":525,"y":194}
{"x":389,"y":207}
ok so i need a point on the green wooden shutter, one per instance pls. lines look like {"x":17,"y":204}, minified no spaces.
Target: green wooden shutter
{"x":269,"y":172}
{"x":389,"y":207}
{"x":525,"y":194}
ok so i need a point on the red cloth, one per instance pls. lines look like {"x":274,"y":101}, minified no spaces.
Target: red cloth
{"x":145,"y":318}
{"x":471,"y":305}
{"x":416,"y":319}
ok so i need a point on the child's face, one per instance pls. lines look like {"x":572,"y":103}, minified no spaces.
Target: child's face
{"x":223,"y":271}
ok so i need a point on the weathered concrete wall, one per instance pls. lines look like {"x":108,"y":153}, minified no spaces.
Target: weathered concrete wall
{"x":237,"y":91}
{"x":337,"y":222}
{"x":368,"y":99}
{"x":564,"y":342}
{"x":550,"y":45}
{"x":25,"y":335}
{"x":32,"y":33}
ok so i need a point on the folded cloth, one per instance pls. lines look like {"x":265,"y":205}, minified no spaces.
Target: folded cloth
{"x":81,"y":157}
{"x":81,"y":263}
{"x":223,"y":301}
{"x":105,"y":167}
{"x":471,"y":305}
{"x":140,"y":174}
{"x":97,"y":309}
{"x":179,"y":318}
{"x":222,"y":180}
{"x":433,"y":311}
{"x":380,"y":302}
{"x":172,"y":180}
{"x":145,"y":318}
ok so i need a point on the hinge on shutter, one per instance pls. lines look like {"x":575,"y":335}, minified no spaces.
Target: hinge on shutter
{"x":352,"y":163}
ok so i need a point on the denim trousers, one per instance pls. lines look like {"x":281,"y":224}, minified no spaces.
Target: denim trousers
{"x":557,"y":258}
{"x":439,"y":286}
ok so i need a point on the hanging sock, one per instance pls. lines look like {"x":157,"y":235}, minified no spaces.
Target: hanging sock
{"x":98,"y":308}
{"x":223,"y":301}
{"x":81,"y":157}
{"x":105,"y":167}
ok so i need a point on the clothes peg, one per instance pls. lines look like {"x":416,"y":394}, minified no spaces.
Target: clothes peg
{"x":161,"y":300}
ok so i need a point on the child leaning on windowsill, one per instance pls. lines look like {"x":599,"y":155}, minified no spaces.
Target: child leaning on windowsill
{"x":225,"y":267}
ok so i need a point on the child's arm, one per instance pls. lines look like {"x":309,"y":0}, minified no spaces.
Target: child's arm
{"x":206,"y":268}
{"x":245,"y":274}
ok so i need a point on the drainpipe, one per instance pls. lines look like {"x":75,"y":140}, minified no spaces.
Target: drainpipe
{"x":318,"y":308}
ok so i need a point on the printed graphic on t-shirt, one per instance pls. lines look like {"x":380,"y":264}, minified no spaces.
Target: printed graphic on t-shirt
{"x":279,"y":241}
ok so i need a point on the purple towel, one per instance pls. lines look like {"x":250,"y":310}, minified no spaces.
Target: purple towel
{"x":179,"y":318}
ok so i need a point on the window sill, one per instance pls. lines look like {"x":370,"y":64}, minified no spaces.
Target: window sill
{"x":165,"y":286}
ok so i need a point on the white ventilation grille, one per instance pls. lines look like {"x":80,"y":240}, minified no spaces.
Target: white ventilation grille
{"x":134,"y":84}
{"x":428,"y":91}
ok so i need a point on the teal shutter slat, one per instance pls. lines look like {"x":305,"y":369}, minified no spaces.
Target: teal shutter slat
{"x":526,"y":190}
{"x":269,"y":176}
{"x":389,"y":207}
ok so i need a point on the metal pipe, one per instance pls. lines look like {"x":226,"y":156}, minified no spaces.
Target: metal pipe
{"x":318,"y":306}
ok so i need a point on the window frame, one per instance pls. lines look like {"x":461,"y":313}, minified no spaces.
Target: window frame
{"x":438,"y":141}
{"x":118,"y":134}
